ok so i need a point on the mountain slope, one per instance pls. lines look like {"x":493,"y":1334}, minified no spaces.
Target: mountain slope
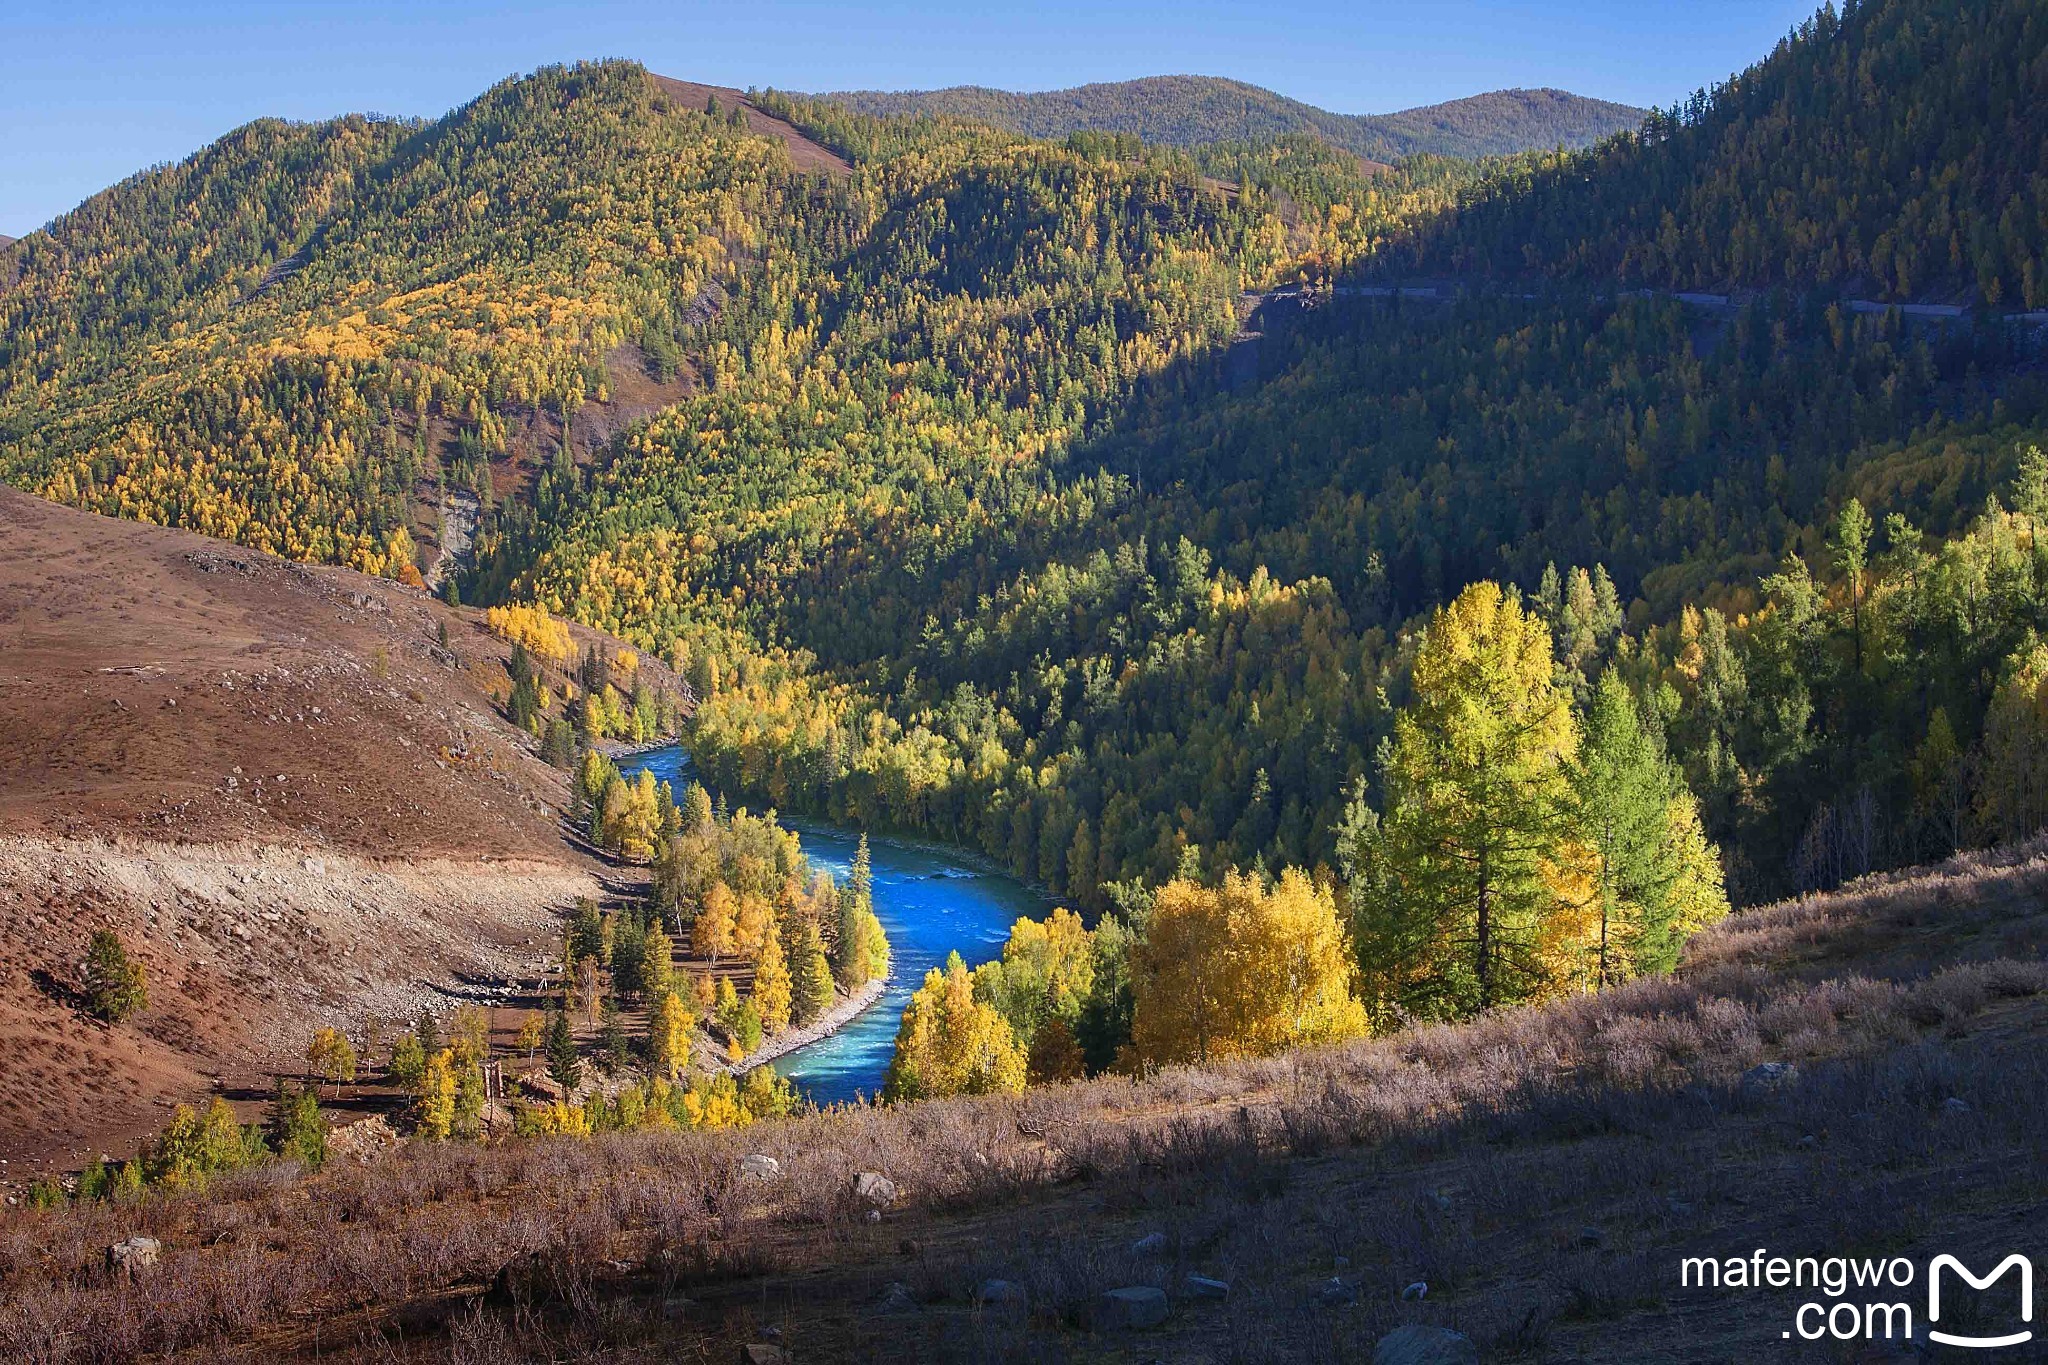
{"x":1900,"y":148}
{"x":1542,"y":1170}
{"x":289,"y":337}
{"x":1189,"y":111}
{"x":1003,"y":495}
{"x":290,"y":799}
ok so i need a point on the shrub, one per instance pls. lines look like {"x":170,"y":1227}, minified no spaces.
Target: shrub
{"x":116,"y":985}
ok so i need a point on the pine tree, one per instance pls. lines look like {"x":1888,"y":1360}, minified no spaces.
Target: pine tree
{"x":1477,"y":791}
{"x":558,"y":744}
{"x":428,"y":1031}
{"x":116,"y":985}
{"x":565,"y":1068}
{"x":696,"y":810}
{"x":773,"y":987}
{"x":408,"y":1068}
{"x":437,"y":1101}
{"x":861,"y":953}
{"x":813,"y":988}
{"x":1851,"y":546}
{"x":1622,"y":787}
{"x":629,"y":946}
{"x":297,"y":1131}
{"x":668,"y":1037}
{"x":860,"y":882}
{"x":657,"y":963}
{"x":612,"y":1046}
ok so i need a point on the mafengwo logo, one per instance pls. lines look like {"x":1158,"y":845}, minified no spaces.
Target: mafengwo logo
{"x":2013,"y":1262}
{"x":1964,"y":1309}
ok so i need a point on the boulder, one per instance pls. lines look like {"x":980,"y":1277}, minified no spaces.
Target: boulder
{"x":896,"y":1299}
{"x":1337,"y":1293}
{"x":1001,"y":1294}
{"x":1417,"y":1291}
{"x":1202,"y":1287}
{"x":758,"y":1167}
{"x":1955,"y":1104}
{"x":132,"y":1254}
{"x":1417,"y":1345}
{"x":1767,"y":1077}
{"x":763,"y":1353}
{"x":1131,"y":1309}
{"x":872,"y":1187}
{"x":1151,"y":1244}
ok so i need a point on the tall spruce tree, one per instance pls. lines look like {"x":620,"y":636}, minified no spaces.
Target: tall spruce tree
{"x":813,"y":986}
{"x":1622,"y":790}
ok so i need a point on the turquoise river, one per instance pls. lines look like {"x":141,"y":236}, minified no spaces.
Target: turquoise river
{"x":931,"y":900}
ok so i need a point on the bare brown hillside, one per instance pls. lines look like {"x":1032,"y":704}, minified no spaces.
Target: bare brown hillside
{"x":274,"y":781}
{"x":803,"y":152}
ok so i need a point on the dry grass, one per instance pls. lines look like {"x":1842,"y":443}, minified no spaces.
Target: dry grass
{"x":1456,"y":1155}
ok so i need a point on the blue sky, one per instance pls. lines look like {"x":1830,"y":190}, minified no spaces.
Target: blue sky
{"x":91,"y":92}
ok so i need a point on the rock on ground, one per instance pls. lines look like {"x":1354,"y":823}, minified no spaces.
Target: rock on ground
{"x":134,"y":1253}
{"x":1131,"y":1308}
{"x":1417,"y":1345}
{"x":1424,"y":1345}
{"x":1765,"y":1077}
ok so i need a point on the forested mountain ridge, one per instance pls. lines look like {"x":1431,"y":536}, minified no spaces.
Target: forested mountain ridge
{"x":274,"y":340}
{"x":1896,"y":147}
{"x":979,"y":508}
{"x":1190,"y":111}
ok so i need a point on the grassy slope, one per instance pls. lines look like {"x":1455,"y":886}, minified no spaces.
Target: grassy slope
{"x":1191,"y":110}
{"x":1542,"y":1170}
{"x":274,"y":783}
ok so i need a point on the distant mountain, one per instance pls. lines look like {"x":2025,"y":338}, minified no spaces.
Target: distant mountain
{"x":1191,"y":110}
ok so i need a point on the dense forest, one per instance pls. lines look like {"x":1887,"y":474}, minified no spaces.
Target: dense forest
{"x":1896,"y":147}
{"x":1068,"y":499}
{"x":277,"y":340}
{"x":1193,"y":111}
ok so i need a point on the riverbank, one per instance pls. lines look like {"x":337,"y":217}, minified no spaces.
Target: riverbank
{"x":616,"y":750}
{"x":819,"y":1029}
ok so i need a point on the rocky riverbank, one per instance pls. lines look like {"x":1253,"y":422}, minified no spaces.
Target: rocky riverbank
{"x":824,"y":1026}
